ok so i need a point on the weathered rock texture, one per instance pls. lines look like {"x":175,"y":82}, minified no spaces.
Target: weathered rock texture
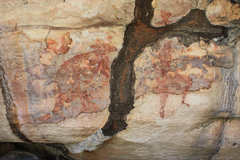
{"x":167,"y":12}
{"x":64,"y":13}
{"x":157,"y":82}
{"x":224,"y":12}
{"x":56,"y":81}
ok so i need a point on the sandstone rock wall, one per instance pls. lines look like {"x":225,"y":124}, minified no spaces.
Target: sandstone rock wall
{"x":145,"y":79}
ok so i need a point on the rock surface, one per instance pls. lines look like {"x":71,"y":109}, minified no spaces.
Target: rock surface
{"x":160,"y":82}
{"x":223,"y":12}
{"x":6,"y":132}
{"x":177,"y":114}
{"x":51,"y":94}
{"x":64,"y":13}
{"x":167,"y":12}
{"x":201,"y":4}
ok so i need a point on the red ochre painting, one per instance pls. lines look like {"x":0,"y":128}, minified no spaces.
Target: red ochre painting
{"x":79,"y":85}
{"x":166,"y":68}
{"x":84,"y":81}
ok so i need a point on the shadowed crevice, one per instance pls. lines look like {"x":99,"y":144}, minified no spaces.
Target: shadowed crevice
{"x":235,"y":1}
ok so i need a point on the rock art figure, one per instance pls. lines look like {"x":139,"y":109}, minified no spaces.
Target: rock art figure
{"x":82,"y":83}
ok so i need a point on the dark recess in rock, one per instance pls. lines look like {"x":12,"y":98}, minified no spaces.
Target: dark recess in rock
{"x":235,"y":1}
{"x":138,"y":35}
{"x":5,"y":148}
{"x":19,"y":155}
{"x":42,"y":151}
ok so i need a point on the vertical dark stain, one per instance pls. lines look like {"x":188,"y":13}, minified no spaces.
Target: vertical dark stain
{"x":219,"y":141}
{"x":11,"y":108}
{"x":138,"y":35}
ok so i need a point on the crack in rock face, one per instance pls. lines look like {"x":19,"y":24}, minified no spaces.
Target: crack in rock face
{"x":12,"y":111}
{"x":139,"y":34}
